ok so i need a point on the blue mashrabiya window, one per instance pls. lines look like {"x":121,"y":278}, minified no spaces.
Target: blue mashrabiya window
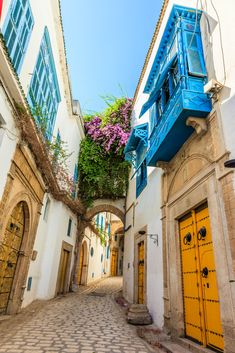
{"x":17,"y":30}
{"x":170,"y":73}
{"x":44,"y":93}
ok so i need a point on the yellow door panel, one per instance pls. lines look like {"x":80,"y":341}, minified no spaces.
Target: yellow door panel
{"x":191,"y":285}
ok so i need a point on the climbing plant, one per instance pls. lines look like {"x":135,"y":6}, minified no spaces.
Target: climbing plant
{"x":57,"y":151}
{"x":103,"y":171}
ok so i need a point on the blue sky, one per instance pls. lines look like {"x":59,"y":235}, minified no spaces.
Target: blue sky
{"x":106,"y":42}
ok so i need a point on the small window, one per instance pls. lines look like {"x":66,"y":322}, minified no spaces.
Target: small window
{"x":102,"y":223}
{"x":29,"y":284}
{"x":69,"y":227}
{"x":115,"y":237}
{"x":92,"y":251}
{"x":46,"y":209}
{"x":108,"y":252}
{"x":102,"y":258}
{"x":196,"y":65}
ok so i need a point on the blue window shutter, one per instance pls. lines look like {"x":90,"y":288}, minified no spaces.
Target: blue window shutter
{"x":44,"y":88}
{"x":195,"y":58}
{"x":17,"y":30}
{"x":102,"y":223}
{"x":69,"y":227}
{"x":153,"y":116}
{"x":75,"y":175}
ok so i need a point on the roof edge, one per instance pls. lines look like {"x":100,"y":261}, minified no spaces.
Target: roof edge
{"x":150,"y":50}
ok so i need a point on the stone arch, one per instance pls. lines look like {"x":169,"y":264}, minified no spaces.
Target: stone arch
{"x":117,"y":207}
{"x":186,"y":171}
{"x":118,"y":230}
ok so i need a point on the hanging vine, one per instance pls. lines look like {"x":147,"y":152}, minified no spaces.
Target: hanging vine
{"x":103,"y":171}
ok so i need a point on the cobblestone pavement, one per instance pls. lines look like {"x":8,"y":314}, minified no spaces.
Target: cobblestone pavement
{"x":76,"y":323}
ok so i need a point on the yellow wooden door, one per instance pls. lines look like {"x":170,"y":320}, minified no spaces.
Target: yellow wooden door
{"x":141,"y":273}
{"x":200,"y":293}
{"x":63,"y":272}
{"x":81,"y":265}
{"x":9,"y":253}
{"x":114,"y":260}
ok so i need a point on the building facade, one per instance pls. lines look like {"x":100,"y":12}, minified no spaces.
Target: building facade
{"x":38,"y":217}
{"x":179,"y":241}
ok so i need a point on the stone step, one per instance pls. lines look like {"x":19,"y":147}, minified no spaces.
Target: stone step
{"x":172,"y":347}
{"x":183,"y":345}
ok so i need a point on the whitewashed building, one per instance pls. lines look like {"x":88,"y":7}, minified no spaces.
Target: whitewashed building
{"x":34,"y":73}
{"x":179,"y":231}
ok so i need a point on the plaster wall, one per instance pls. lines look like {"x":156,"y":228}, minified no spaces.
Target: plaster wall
{"x":145,"y":213}
{"x":50,"y":235}
{"x":8,"y":137}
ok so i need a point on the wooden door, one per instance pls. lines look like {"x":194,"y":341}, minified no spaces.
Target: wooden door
{"x":63,"y":272}
{"x":141,"y":273}
{"x":200,"y":293}
{"x":9,"y":253}
{"x":114,"y":262}
{"x":81,"y":263}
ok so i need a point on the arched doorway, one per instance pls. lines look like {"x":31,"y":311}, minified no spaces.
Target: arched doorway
{"x":10,"y":248}
{"x":83,"y":264}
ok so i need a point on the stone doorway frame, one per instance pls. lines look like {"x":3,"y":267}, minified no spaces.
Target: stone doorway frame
{"x":138,"y":238}
{"x":204,"y":187}
{"x":21,"y":271}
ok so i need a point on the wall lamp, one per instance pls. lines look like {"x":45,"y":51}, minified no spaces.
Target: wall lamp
{"x":230,"y":163}
{"x":154,"y":237}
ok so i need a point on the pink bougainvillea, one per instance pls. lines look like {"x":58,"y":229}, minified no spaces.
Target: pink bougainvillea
{"x":114,"y":135}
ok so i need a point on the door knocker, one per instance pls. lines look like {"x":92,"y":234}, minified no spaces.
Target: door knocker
{"x":201,"y":235}
{"x":205,"y":272}
{"x":187,"y":239}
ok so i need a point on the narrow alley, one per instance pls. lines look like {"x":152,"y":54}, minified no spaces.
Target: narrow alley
{"x":85,"y":322}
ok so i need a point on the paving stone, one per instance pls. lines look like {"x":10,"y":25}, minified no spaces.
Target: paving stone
{"x":76,"y":323}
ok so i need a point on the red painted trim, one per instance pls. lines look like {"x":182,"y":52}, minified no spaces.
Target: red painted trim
{"x":1,"y":3}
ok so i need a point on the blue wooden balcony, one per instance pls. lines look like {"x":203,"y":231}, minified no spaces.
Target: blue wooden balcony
{"x":171,"y":132}
{"x":175,"y":85}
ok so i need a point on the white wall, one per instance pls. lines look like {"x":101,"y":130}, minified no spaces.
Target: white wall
{"x":50,"y":233}
{"x":48,"y":243}
{"x":8,"y":138}
{"x":145,"y":213}
{"x":95,"y":266}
